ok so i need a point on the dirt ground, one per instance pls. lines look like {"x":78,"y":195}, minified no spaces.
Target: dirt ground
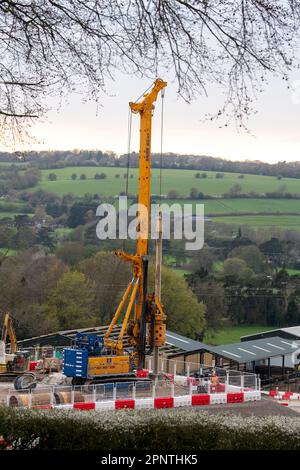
{"x":264,"y":407}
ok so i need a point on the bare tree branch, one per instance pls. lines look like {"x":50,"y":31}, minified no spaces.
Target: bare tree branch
{"x":54,"y":47}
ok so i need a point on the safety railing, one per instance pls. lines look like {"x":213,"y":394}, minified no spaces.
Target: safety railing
{"x":49,"y":396}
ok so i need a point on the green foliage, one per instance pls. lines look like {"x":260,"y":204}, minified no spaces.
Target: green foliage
{"x":236,"y":269}
{"x":252,"y":255}
{"x":71,"y":301}
{"x":145,"y":430}
{"x":71,"y":252}
{"x":185,"y":314}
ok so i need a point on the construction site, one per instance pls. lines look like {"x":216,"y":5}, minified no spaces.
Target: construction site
{"x":135,"y":362}
{"x":125,"y":366}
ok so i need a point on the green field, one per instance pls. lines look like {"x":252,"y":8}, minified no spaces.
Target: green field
{"x":232,"y":334}
{"x":289,"y":222}
{"x":181,"y":180}
{"x":8,"y":252}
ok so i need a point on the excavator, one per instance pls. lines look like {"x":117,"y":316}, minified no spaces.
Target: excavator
{"x":93,"y":358}
{"x":14,"y":363}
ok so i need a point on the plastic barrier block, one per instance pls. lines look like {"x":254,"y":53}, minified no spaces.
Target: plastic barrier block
{"x":272,"y":393}
{"x":105,"y":405}
{"x":164,"y":402}
{"x":43,"y":407}
{"x":64,"y":407}
{"x":286,"y":396}
{"x":142,"y":373}
{"x":84,"y":406}
{"x":235,"y":397}
{"x":147,"y":403}
{"x":185,"y":400}
{"x":200,"y":400}
{"x":32,"y":365}
{"x":120,"y":404}
{"x":252,"y":396}
{"x":218,"y":399}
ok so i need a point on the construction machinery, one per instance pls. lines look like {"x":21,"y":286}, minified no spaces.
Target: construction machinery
{"x":13,"y":363}
{"x":96,"y":358}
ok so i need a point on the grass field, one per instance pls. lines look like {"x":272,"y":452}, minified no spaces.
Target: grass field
{"x":8,"y":252}
{"x":293,"y":272}
{"x":232,"y":334}
{"x":289,"y":222}
{"x":181,"y":180}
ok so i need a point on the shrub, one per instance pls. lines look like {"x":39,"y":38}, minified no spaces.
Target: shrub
{"x":183,"y":429}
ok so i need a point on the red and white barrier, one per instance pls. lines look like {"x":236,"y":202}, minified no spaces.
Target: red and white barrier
{"x":164,"y":402}
{"x":283,"y":395}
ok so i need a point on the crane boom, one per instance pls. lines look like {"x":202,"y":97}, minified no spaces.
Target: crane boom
{"x":147,"y":308}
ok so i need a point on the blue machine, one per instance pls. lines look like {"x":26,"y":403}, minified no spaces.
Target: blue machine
{"x":75,"y":362}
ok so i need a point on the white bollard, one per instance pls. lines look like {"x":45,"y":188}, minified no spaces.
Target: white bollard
{"x":242,"y":382}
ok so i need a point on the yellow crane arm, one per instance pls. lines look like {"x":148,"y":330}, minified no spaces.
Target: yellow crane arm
{"x":145,"y":108}
{"x":139,"y":300}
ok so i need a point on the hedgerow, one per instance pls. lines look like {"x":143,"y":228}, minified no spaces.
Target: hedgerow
{"x":144,"y":430}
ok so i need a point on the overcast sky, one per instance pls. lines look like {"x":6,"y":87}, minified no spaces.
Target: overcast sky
{"x":275,"y":127}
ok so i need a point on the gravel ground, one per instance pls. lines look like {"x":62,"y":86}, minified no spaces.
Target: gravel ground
{"x":264,"y":407}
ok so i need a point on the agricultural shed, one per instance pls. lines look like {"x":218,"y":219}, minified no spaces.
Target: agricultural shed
{"x":175,"y":344}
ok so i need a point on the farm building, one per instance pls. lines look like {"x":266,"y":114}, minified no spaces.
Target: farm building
{"x":272,"y":355}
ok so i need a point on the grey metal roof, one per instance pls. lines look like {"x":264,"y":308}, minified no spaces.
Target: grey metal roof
{"x":292,"y":332}
{"x":175,"y":344}
{"x":248,"y":351}
{"x":184,"y":343}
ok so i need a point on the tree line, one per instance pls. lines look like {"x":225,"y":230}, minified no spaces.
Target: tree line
{"x":56,"y":159}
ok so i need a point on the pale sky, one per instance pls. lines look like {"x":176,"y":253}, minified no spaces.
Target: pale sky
{"x":275,"y":128}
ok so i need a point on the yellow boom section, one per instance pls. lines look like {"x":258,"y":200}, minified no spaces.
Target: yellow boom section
{"x":136,"y":328}
{"x":8,"y":331}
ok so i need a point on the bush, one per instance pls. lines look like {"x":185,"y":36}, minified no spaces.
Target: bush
{"x":145,"y":430}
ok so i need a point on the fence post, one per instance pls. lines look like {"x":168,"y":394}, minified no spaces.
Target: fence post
{"x":134,"y":391}
{"x":114,"y":392}
{"x":226,"y":382}
{"x":52,"y":397}
{"x":153,"y":390}
{"x":188,"y":370}
{"x":174,"y":370}
{"x":149,"y":364}
{"x":94,"y":394}
{"x":172,"y":390}
{"x":72,"y":396}
{"x":242,"y":382}
{"x":190,"y":388}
